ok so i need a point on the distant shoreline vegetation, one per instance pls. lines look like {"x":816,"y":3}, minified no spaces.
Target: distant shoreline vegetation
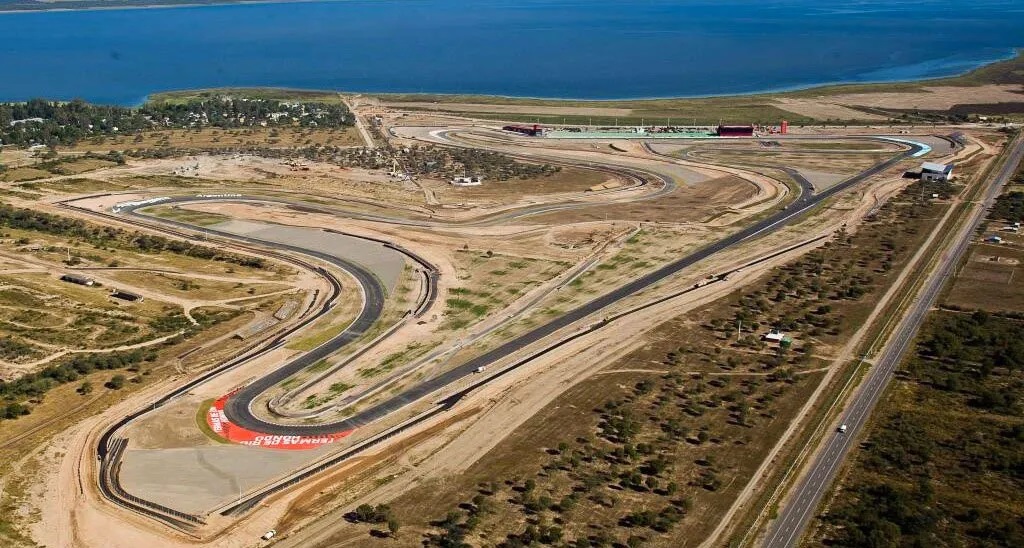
{"x":54,"y":123}
{"x":62,"y":123}
{"x":1008,"y":70}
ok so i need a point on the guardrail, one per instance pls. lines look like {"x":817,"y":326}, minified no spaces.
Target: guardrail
{"x":110,"y":485}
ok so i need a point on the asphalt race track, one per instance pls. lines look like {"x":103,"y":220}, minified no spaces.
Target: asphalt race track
{"x":238,"y":409}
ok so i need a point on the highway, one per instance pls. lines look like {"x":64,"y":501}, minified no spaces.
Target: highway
{"x":794,"y":517}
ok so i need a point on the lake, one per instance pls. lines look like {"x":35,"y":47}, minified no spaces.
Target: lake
{"x":595,"y":49}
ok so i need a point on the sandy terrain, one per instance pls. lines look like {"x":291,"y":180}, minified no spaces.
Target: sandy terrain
{"x":513,"y":406}
{"x":927,"y":98}
{"x":824,"y":109}
{"x":512,"y":109}
{"x":71,"y":513}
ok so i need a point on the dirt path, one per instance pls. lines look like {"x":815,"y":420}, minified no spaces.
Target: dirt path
{"x":358,"y":122}
{"x":43,"y":361}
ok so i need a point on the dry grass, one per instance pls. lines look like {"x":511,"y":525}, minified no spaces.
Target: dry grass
{"x":712,"y":405}
{"x":41,"y":310}
{"x":488,"y":282}
{"x":185,"y":215}
{"x":566,"y":180}
{"x":224,"y":138}
{"x":23,"y":174}
{"x":988,"y":284}
{"x":75,"y":185}
{"x":693,"y":203}
{"x":181,"y":285}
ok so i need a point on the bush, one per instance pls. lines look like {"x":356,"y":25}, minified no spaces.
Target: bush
{"x":116,"y":382}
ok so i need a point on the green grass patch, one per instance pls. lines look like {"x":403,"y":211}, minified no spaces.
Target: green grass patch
{"x":192,"y":217}
{"x":340,"y":387}
{"x":459,"y":304}
{"x":393,"y":360}
{"x":320,"y":366}
{"x":316,"y":339}
{"x":204,"y":427}
{"x":290,"y":383}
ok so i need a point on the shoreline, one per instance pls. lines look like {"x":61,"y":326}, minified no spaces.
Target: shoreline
{"x":1016,"y":54}
{"x":187,"y":4}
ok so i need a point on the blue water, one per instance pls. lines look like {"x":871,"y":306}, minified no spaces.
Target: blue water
{"x":597,"y":49}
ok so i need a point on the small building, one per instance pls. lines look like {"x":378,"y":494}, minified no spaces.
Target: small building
{"x":467,"y":181}
{"x":127,"y":296}
{"x":775,"y":335}
{"x":735,"y":131}
{"x":78,"y":279}
{"x":533,"y":131}
{"x":931,"y":172}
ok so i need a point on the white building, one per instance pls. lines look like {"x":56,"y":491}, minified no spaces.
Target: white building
{"x":931,"y":172}
{"x":467,"y":181}
{"x":775,"y":335}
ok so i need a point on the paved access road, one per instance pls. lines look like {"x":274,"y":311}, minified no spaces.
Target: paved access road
{"x":788,"y":528}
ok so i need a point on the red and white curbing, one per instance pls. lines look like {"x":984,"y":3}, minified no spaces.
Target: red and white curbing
{"x":220,"y":424}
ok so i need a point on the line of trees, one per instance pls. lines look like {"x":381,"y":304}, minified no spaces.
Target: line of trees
{"x":14,"y":394}
{"x":51,"y":123}
{"x":28,"y":219}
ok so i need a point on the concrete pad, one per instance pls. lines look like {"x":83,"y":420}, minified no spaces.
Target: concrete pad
{"x":199,"y":479}
{"x":386,"y":263}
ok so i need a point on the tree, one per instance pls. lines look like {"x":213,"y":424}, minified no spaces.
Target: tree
{"x":393,"y":527}
{"x":85,"y":388}
{"x":15,"y":410}
{"x":116,"y":382}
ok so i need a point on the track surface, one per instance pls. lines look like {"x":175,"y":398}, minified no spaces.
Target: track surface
{"x":239,"y":412}
{"x":794,"y":517}
{"x":104,"y":443}
{"x":238,"y":408}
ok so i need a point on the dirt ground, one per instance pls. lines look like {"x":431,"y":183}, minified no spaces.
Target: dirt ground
{"x":825,"y":109}
{"x":935,"y":98}
{"x":70,"y":513}
{"x":568,"y":180}
{"x":512,"y":109}
{"x":223,"y":138}
{"x":696,"y":203}
{"x":992,"y":279}
{"x":838,"y":107}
